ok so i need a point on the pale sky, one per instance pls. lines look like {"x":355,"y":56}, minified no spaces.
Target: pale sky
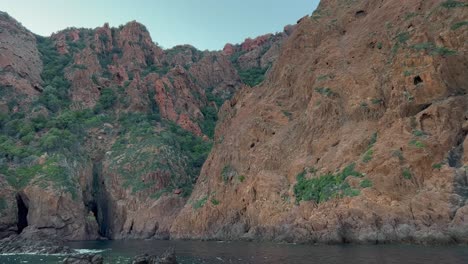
{"x":205,"y":24}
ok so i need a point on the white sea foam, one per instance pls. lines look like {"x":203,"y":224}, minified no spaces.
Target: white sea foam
{"x":90,"y":251}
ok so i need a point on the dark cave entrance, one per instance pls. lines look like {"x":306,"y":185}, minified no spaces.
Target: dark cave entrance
{"x":97,"y":202}
{"x":22,"y":213}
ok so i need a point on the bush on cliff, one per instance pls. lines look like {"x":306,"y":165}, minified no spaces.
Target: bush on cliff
{"x":325,"y":187}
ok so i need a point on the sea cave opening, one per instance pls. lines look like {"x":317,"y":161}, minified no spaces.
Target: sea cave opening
{"x":22,"y":213}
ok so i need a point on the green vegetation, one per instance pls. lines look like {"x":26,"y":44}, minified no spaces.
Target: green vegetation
{"x":133,"y":152}
{"x":107,"y":99}
{"x":398,"y":154}
{"x":325,"y":77}
{"x":419,"y":133}
{"x":379,"y":45}
{"x":376,"y":101}
{"x":210,"y":116}
{"x":459,"y":25}
{"x":407,"y":174}
{"x":228,"y":173}
{"x":432,"y":49}
{"x":253,"y":76}
{"x":407,"y":73}
{"x":403,"y":37}
{"x":325,"y":91}
{"x":3,"y":204}
{"x":437,"y":166}
{"x":369,"y":152}
{"x":55,"y":95}
{"x":214,"y":201}
{"x":367,"y":156}
{"x":163,"y":70}
{"x":453,"y":4}
{"x":242,"y":178}
{"x":200,"y":203}
{"x":409,"y":97}
{"x":417,"y":143}
{"x":373,"y":139}
{"x":366,"y":183}
{"x":410,"y":15}
{"x":325,"y":187}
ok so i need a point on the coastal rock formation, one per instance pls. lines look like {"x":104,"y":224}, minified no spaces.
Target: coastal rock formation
{"x":350,"y":126}
{"x":103,"y":133}
{"x":357,"y":135}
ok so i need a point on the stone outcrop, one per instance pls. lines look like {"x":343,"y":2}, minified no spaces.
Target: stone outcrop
{"x":20,"y":63}
{"x":34,"y":241}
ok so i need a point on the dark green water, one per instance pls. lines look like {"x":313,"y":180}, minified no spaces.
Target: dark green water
{"x":244,"y":252}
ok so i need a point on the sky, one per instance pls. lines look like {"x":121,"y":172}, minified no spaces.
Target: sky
{"x":205,"y":24}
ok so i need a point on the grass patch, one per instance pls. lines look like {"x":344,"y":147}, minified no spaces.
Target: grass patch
{"x":242,"y":178}
{"x":437,"y":166}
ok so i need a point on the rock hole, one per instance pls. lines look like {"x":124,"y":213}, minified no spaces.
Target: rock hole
{"x":417,"y":80}
{"x":361,"y":13}
{"x":22,"y":213}
{"x":252,"y":145}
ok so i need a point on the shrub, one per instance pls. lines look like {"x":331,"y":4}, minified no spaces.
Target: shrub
{"x":437,"y":166}
{"x":325,"y":187}
{"x":459,"y":25}
{"x":453,"y":4}
{"x":242,"y":178}
{"x":107,"y":98}
{"x":253,"y":76}
{"x":407,"y":174}
{"x":366,"y":183}
{"x":228,"y":173}
{"x":433,"y":49}
{"x":325,"y":91}
{"x":214,"y":201}
{"x":417,"y":143}
{"x":418,"y":133}
{"x":403,"y":37}
{"x":367,"y":156}
{"x":200,"y":203}
{"x":210,"y":116}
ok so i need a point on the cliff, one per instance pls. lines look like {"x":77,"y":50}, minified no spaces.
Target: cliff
{"x":350,"y":126}
{"x":103,"y":133}
{"x":358,"y":134}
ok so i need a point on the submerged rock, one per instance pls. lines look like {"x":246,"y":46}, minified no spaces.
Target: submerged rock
{"x":168,"y":257}
{"x":84,"y":259}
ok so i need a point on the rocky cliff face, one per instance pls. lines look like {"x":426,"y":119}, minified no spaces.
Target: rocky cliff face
{"x":358,"y":134}
{"x":356,"y":131}
{"x":103,"y":133}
